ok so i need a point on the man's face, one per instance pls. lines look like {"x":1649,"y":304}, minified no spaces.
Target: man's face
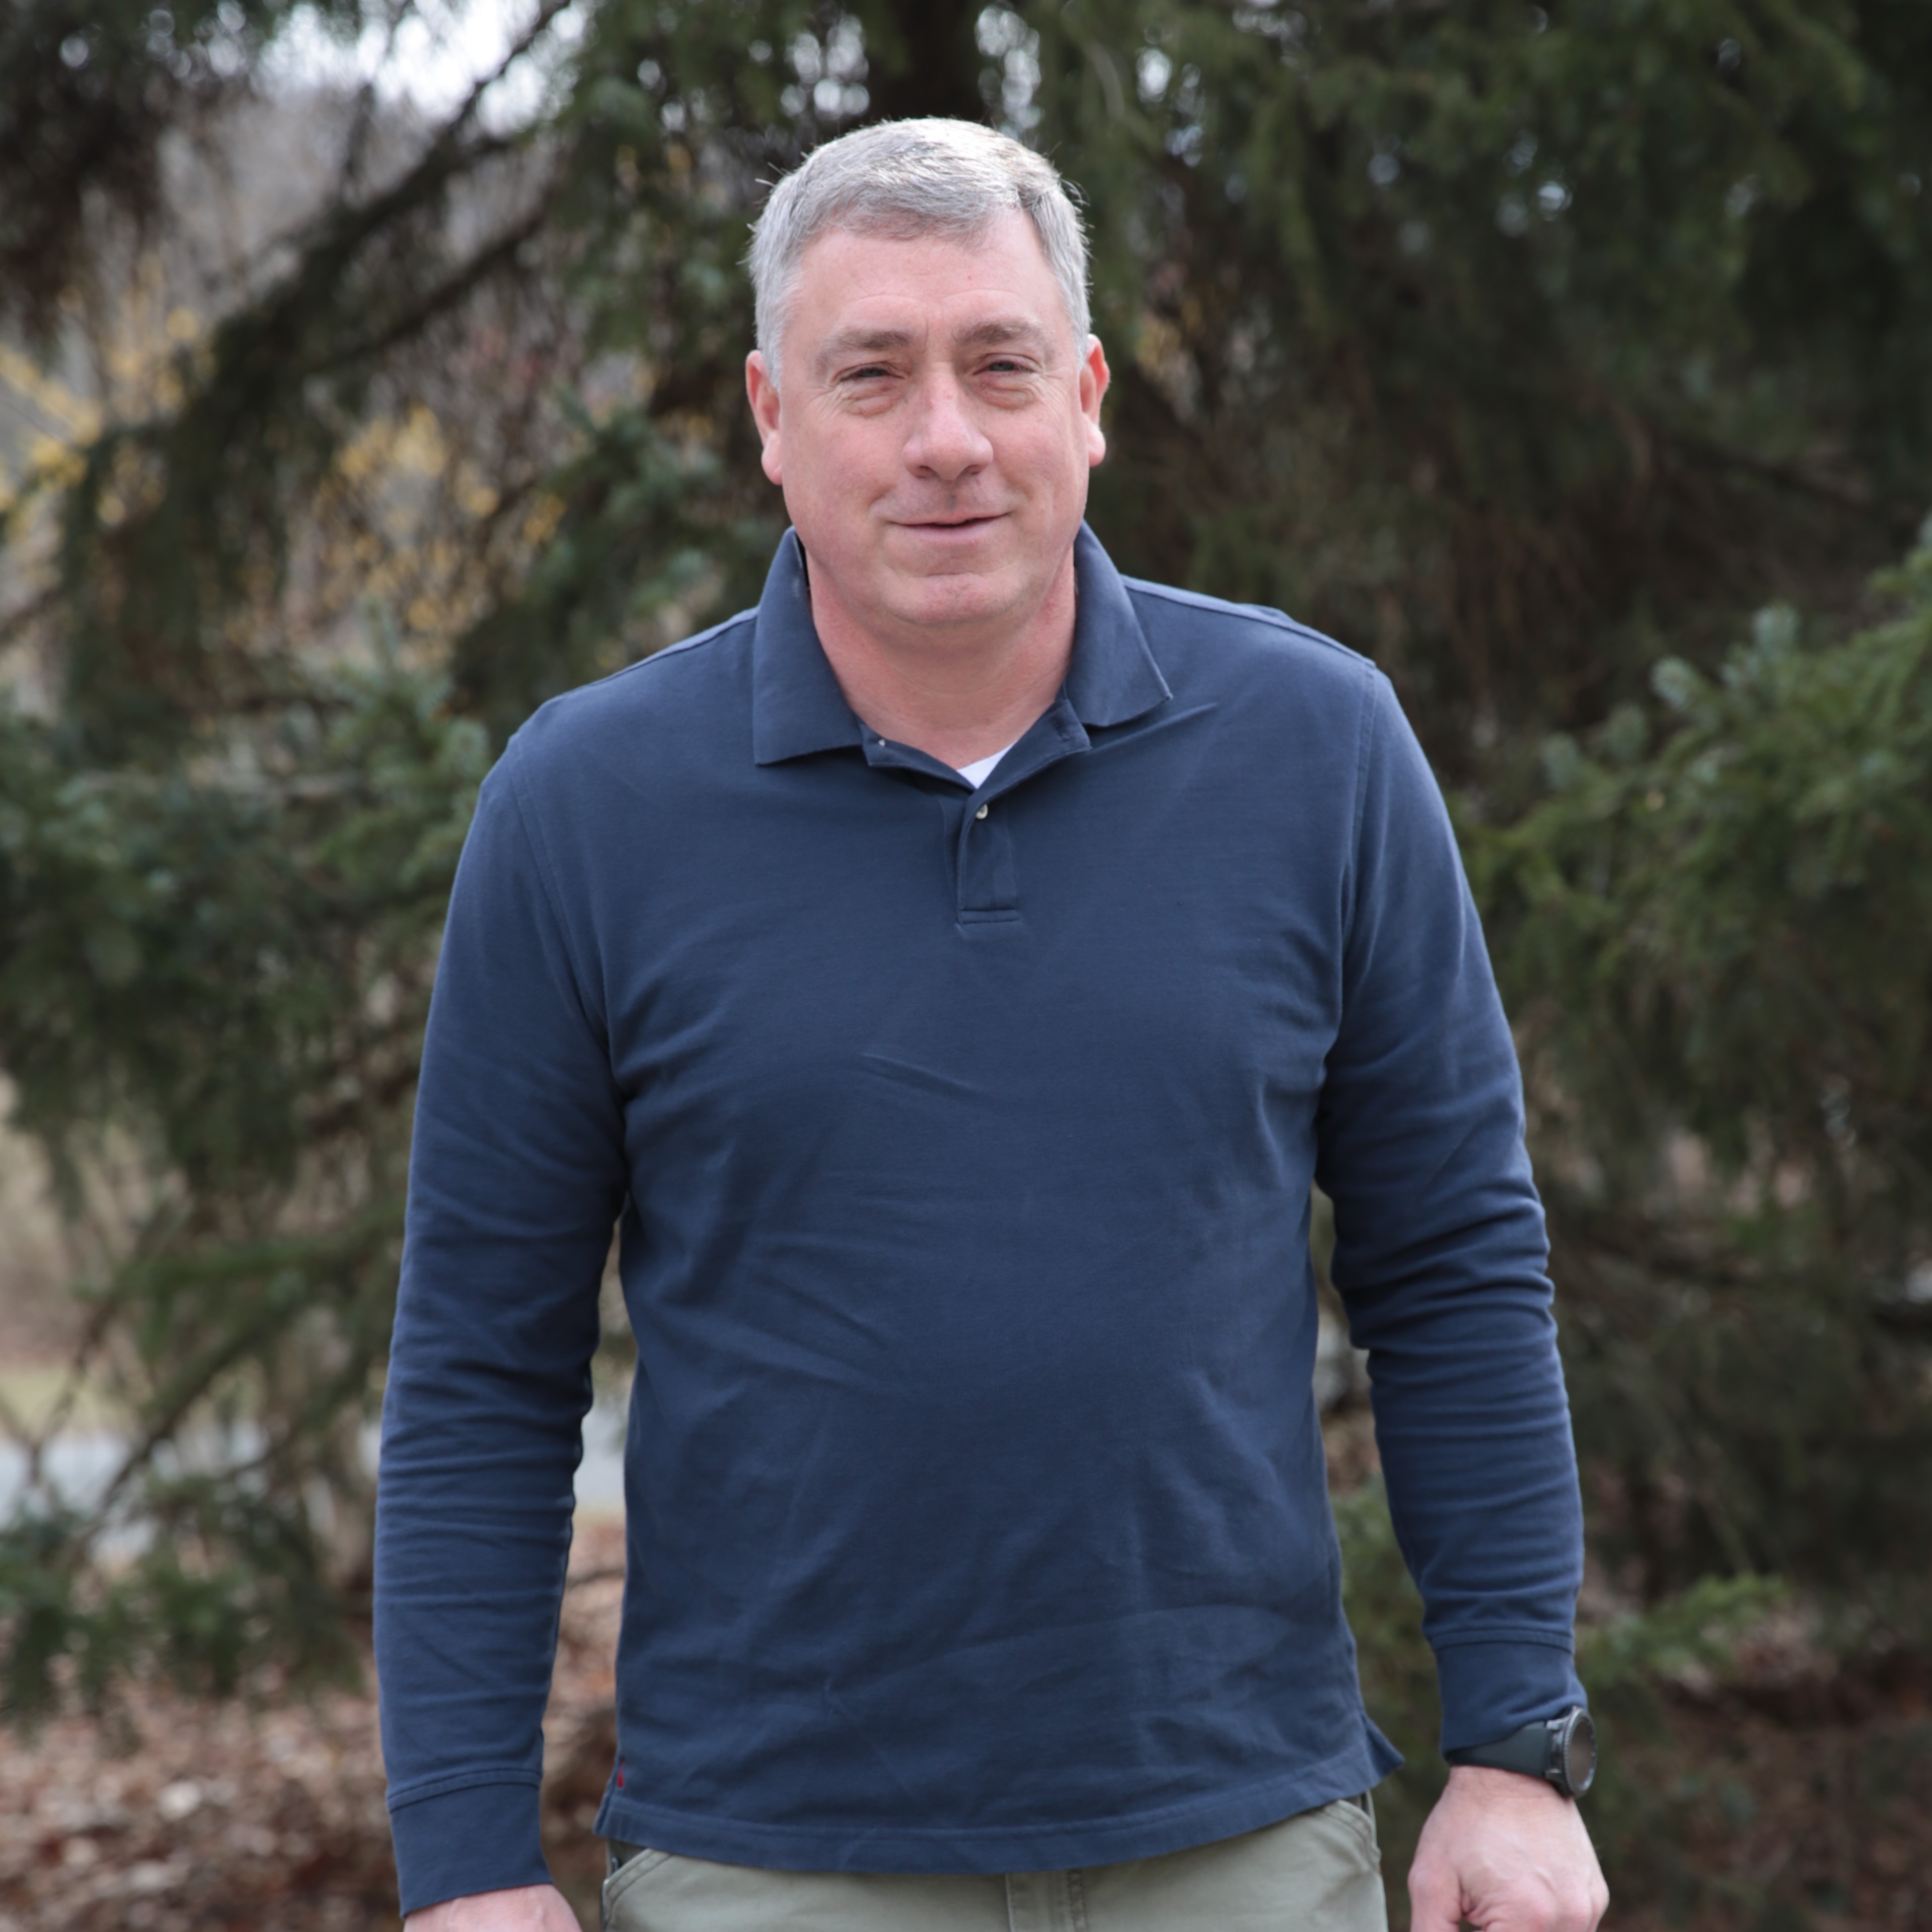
{"x":938,"y":423}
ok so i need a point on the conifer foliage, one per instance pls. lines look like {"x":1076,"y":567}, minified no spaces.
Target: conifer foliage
{"x":1544,"y":353}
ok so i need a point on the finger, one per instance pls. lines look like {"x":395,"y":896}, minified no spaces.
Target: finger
{"x":1600,"y":1902}
{"x":1435,"y":1898}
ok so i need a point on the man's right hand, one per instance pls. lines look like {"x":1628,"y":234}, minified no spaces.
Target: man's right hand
{"x":524,"y":1908}
{"x":1506,"y":1853}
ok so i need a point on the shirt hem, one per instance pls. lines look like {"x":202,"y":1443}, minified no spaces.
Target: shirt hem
{"x":986,"y":1849}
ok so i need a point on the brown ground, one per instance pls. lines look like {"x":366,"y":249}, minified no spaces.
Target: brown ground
{"x":187,"y":1817}
{"x":1778,"y":1812}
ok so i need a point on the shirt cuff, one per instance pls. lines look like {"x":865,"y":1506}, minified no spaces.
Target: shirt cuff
{"x":1492,"y":1688}
{"x":478,"y":1838}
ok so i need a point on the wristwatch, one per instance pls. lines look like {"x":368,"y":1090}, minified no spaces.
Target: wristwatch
{"x":1562,"y":1749}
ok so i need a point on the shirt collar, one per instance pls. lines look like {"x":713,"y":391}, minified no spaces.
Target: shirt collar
{"x":797,"y":707}
{"x":1113,"y":678}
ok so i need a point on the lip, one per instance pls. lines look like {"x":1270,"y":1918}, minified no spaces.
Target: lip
{"x":943,"y":527}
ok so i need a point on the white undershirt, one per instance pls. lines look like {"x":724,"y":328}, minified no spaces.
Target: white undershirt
{"x":981,"y":770}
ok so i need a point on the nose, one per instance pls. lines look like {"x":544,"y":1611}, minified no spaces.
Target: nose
{"x":945,"y":442}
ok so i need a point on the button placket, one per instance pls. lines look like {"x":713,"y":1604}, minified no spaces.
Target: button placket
{"x":986,"y":866}
{"x":988,"y":884}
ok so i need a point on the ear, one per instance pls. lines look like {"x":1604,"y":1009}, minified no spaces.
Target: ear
{"x":763,"y":394}
{"x":1094,"y":377}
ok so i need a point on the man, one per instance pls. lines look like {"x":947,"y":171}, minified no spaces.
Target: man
{"x":951,"y":975}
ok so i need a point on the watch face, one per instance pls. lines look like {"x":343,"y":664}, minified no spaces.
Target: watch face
{"x":1577,"y":1746}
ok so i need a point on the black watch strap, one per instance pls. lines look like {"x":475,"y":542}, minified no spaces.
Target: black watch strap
{"x":1547,"y":1750}
{"x":1526,"y":1750}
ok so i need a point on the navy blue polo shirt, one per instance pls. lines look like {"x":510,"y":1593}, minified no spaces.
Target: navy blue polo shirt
{"x":960,"y":1144}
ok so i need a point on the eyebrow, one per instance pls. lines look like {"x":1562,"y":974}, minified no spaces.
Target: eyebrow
{"x":1004,"y":329}
{"x":862,"y":342}
{"x":981,"y":335}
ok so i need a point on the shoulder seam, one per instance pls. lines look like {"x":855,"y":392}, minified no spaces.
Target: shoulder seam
{"x":1365,"y":748}
{"x":1264,"y":613}
{"x":1365,"y":741}
{"x":708,"y":636}
{"x":578,"y":691}
{"x":539,"y":849}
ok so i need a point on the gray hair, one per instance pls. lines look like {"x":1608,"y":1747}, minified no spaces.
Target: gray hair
{"x":906,"y":178}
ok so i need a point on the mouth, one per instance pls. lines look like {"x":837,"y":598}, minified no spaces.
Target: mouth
{"x":948,"y":525}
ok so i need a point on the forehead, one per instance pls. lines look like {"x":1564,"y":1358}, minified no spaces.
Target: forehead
{"x":848,"y":279}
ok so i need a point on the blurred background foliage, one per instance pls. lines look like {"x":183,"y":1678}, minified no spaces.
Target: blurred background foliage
{"x":1574,"y":361}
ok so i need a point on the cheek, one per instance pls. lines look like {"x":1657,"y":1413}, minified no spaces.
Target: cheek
{"x":831,"y":483}
{"x":851,"y":459}
{"x":1045,"y":457}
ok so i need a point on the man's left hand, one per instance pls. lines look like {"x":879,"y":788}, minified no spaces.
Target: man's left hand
{"x":1509,"y":1854}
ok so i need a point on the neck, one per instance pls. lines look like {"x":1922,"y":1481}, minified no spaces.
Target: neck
{"x":956,"y":695}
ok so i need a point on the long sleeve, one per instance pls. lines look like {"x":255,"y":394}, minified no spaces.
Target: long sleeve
{"x":517,"y":1175}
{"x":1441,"y":1257}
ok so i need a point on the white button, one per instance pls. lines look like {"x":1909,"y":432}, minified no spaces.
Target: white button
{"x":982,"y":812}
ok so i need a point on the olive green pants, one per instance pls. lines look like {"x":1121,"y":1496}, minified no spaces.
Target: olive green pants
{"x":1319,"y":1872}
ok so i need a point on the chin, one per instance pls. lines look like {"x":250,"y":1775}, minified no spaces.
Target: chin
{"x":981,"y":588}
{"x":955,"y":600}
